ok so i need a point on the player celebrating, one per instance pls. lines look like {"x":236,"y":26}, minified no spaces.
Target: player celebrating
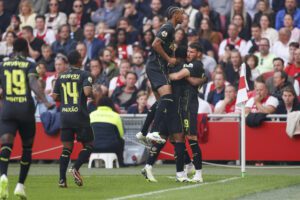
{"x":194,"y":73}
{"x":18,"y":76}
{"x":157,"y":70}
{"x":72,"y":88}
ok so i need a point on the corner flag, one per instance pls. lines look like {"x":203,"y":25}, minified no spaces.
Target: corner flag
{"x":242,"y":96}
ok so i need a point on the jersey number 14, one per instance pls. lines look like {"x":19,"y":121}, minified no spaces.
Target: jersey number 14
{"x":70,"y":91}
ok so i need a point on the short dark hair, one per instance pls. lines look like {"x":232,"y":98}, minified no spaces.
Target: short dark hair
{"x":279,"y":59}
{"x":74,"y":57}
{"x":255,"y":26}
{"x":197,"y":46}
{"x":40,"y":17}
{"x":20,"y":45}
{"x":106,"y":101}
{"x":28,"y":29}
{"x":133,"y":73}
{"x":62,"y":26}
{"x":181,"y":52}
{"x":204,"y":4}
{"x":294,"y":44}
{"x":289,"y":89}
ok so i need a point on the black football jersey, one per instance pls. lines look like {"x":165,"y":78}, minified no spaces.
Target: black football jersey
{"x":69,"y":86}
{"x":14,"y":78}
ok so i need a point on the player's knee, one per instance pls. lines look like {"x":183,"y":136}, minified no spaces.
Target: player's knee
{"x":7,"y":139}
{"x":66,"y":152}
{"x":192,"y":137}
{"x":6,"y":150}
{"x":195,"y":147}
{"x":88,"y":147}
{"x":155,"y":149}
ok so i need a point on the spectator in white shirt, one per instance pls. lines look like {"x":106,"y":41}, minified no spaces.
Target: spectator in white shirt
{"x":42,"y":32}
{"x":119,"y":81}
{"x":266,"y":31}
{"x":233,"y":39}
{"x":281,"y":47}
{"x":262,"y":102}
{"x":54,"y":19}
{"x":190,"y":11}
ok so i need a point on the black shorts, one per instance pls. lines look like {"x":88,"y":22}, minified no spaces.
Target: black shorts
{"x":157,"y":76}
{"x":26,"y":128}
{"x":189,"y":115}
{"x":173,"y":120}
{"x":82,"y":134}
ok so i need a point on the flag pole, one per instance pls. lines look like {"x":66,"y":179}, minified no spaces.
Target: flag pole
{"x":243,"y":141}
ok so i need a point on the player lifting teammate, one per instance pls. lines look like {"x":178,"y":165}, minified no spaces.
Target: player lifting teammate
{"x":18,"y":76}
{"x":157,"y":70}
{"x":72,"y":89}
{"x":193,"y":72}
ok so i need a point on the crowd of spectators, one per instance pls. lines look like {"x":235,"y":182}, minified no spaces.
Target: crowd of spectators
{"x":114,"y":40}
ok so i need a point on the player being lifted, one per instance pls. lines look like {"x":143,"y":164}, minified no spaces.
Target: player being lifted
{"x":18,"y":76}
{"x":185,"y":80}
{"x":157,"y":71}
{"x":72,"y":89}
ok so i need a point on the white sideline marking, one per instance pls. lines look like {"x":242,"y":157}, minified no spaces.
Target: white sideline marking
{"x":173,"y":189}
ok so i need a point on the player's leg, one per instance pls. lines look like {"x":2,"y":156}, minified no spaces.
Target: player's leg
{"x":193,"y":141}
{"x":176,"y":131}
{"x":141,"y":136}
{"x":181,"y":176}
{"x":153,"y":154}
{"x":86,"y":137}
{"x":7,"y":131}
{"x":67,"y":138}
{"x":165,"y":105}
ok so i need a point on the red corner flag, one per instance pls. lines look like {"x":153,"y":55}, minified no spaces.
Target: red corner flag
{"x":242,"y":96}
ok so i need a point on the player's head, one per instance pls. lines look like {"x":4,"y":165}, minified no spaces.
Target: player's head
{"x":175,"y":13}
{"x":20,"y":46}
{"x":194,"y":51}
{"x":74,"y":59}
{"x":181,"y":52}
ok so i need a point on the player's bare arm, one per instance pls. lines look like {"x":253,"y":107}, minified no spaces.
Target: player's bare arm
{"x":194,"y":81}
{"x":37,"y":89}
{"x":88,"y":91}
{"x":183,"y":73}
{"x":159,"y":49}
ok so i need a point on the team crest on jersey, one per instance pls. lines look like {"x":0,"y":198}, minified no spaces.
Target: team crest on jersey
{"x":188,"y":65}
{"x":173,"y":47}
{"x":90,"y":79}
{"x":164,"y":33}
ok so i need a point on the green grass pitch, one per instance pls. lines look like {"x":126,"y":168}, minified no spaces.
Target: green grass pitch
{"x":127,"y":183}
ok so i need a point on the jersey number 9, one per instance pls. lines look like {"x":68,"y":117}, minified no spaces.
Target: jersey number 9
{"x":15,"y":82}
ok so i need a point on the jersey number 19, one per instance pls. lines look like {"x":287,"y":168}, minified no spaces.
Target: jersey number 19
{"x":15,"y":82}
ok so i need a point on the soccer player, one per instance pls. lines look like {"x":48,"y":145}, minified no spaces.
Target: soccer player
{"x":194,"y":73}
{"x":179,"y":87}
{"x":157,"y":70}
{"x":72,"y":89}
{"x":18,"y":76}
